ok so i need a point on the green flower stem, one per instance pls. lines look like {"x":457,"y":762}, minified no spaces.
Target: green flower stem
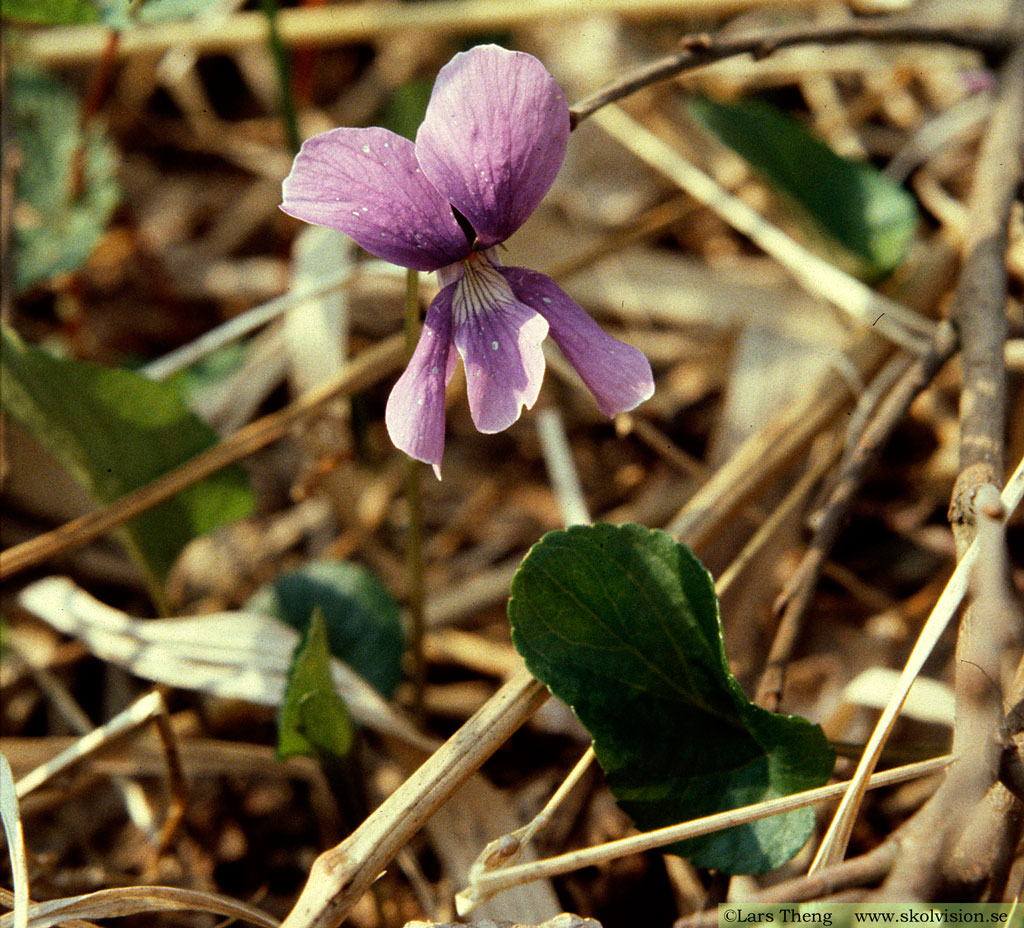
{"x":414,"y":540}
{"x":283,"y":66}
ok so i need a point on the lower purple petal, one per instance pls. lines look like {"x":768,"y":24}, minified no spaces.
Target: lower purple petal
{"x":500,"y":342}
{"x":415,"y":409}
{"x":617,"y":374}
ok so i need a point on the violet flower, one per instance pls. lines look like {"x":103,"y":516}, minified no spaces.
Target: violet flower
{"x":492,"y":141}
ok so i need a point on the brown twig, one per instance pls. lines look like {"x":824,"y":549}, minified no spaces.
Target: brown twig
{"x":979,"y":310}
{"x":796,"y":598}
{"x":371,"y":366}
{"x":762,"y":456}
{"x":979,"y":304}
{"x":702,"y":49}
{"x":983,"y":741}
{"x":933,"y":831}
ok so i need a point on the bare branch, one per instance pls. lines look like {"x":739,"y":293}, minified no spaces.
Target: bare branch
{"x":796,"y":598}
{"x":702,"y":49}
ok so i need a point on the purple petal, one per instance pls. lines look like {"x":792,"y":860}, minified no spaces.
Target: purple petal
{"x":617,"y":374}
{"x":415,"y":412}
{"x":500,"y":342}
{"x":494,"y":137}
{"x":368,"y":184}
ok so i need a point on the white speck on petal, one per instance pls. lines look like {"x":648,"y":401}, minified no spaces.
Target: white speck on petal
{"x":545,"y":299}
{"x":366,"y":149}
{"x":494,"y":346}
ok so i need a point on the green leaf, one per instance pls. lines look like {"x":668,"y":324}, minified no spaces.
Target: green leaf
{"x":57,"y":227}
{"x":48,"y":12}
{"x":116,"y":431}
{"x":313,"y":719}
{"x":870,"y":218}
{"x":363,"y":621}
{"x":622,"y":624}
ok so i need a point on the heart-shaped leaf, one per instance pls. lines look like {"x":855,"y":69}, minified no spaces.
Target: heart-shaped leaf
{"x":622,"y":624}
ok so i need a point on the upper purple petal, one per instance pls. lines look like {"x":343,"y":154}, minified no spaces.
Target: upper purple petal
{"x":415,"y":411}
{"x":494,"y":137}
{"x":618,"y":374}
{"x":500,"y":342}
{"x":368,"y":184}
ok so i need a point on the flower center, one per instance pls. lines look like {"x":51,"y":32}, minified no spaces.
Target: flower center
{"x":481,"y":289}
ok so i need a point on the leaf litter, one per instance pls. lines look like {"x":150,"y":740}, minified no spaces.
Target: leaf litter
{"x":197,"y":241}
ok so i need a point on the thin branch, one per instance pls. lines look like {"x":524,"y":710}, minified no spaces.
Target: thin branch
{"x":979,"y":303}
{"x":796,"y":598}
{"x":833,"y":845}
{"x":500,"y":853}
{"x":783,"y":515}
{"x":702,"y":49}
{"x":777,"y":444}
{"x":934,"y":829}
{"x":979,"y":310}
{"x":371,"y":366}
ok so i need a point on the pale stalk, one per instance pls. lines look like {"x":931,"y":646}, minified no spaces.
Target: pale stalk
{"x":414,"y":537}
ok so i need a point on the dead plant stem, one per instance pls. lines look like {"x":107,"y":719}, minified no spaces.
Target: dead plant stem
{"x":979,"y":302}
{"x":762,"y":456}
{"x":703,"y":49}
{"x":796,"y":598}
{"x":979,"y":310}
